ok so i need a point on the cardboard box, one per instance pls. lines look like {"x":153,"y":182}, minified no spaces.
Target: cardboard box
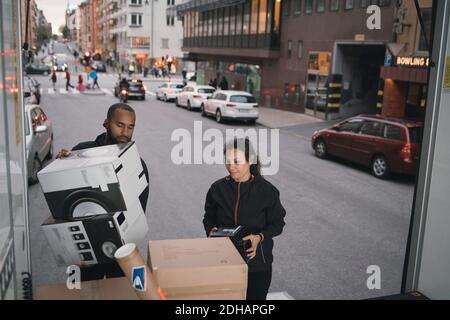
{"x":94,"y":181}
{"x":95,"y":239}
{"x":198,"y":269}
{"x":105,"y":289}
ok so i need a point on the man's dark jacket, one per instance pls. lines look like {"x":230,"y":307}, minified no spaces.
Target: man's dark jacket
{"x":256,"y":206}
{"x":102,"y":141}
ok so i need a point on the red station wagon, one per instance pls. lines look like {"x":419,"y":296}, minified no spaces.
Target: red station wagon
{"x":385,"y":144}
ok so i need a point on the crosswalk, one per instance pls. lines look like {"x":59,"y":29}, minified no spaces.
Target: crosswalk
{"x":75,"y":92}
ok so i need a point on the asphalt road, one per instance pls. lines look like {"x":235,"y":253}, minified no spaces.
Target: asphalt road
{"x":340,"y":220}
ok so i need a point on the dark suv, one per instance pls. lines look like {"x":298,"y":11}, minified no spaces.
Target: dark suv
{"x":385,"y":144}
{"x":137,"y":89}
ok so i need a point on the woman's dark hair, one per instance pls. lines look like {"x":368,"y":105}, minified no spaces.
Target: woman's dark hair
{"x":244,"y":145}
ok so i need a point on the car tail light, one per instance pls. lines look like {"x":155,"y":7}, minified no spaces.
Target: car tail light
{"x":231,"y":105}
{"x":43,"y":117}
{"x":406,"y":153}
{"x":197,"y":97}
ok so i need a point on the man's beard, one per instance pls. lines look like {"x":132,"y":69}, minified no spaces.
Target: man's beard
{"x":111,"y":140}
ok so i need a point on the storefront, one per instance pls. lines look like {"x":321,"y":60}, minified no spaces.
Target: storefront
{"x":405,"y":88}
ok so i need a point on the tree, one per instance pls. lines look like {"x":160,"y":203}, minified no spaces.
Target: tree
{"x":64,"y":30}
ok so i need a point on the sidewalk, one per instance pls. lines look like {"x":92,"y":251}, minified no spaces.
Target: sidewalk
{"x":276,"y":118}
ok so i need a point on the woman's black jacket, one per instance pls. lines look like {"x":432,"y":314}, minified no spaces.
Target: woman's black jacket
{"x":254,"y":204}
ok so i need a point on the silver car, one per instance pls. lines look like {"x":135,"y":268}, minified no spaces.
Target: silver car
{"x":39,"y":140}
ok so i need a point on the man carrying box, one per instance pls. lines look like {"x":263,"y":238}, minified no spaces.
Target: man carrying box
{"x":119,"y":125}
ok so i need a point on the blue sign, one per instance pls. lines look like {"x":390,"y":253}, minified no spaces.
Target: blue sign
{"x":388,"y":59}
{"x":138,"y":278}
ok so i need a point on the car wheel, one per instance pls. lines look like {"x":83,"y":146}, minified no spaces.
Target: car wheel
{"x":202,"y":110}
{"x":176,"y":102}
{"x":320,"y":149}
{"x":37,"y":166}
{"x":189,"y":105}
{"x":219,"y":116}
{"x":380,"y":167}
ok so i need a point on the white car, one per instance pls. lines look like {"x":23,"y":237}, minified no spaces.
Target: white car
{"x":193,"y":96}
{"x":38,"y":140}
{"x":168,"y":91}
{"x":227,"y":104}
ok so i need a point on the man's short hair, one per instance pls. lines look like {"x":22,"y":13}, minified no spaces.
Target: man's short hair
{"x":116,"y":106}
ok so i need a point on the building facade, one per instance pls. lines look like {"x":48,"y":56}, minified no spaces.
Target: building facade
{"x":405,"y":74}
{"x":167,"y":33}
{"x":283,"y":51}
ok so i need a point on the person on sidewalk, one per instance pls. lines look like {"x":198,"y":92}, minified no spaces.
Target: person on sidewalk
{"x":53,"y":79}
{"x":244,"y":198}
{"x":96,"y":82}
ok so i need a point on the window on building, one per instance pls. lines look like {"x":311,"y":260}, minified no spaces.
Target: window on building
{"x":308,"y":6}
{"x":334,"y":5}
{"x":298,"y":7}
{"x":232,"y":21}
{"x":420,"y":43}
{"x":164,"y":43}
{"x":226,"y":21}
{"x":300,"y":49}
{"x":254,"y":17}
{"x":349,"y":4}
{"x":246,"y":23}
{"x":276,"y":17}
{"x":168,"y":2}
{"x":364,"y":3}
{"x":262,"y":16}
{"x":287,"y":7}
{"x":135,"y":2}
{"x":289,"y":52}
{"x":320,"y":6}
{"x":239,"y":19}
{"x":136,"y":19}
{"x":168,"y":20}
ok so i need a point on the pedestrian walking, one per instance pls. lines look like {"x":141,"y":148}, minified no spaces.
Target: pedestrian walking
{"x":68,"y":84}
{"x":53,"y":79}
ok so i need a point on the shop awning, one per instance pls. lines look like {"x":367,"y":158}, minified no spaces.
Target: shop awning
{"x":417,"y":75}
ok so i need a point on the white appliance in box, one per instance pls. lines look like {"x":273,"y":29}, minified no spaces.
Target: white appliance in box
{"x":95,"y":239}
{"x":94,"y":181}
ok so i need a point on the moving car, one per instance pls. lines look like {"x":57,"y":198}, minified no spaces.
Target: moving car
{"x":193,"y":96}
{"x":137,"y":89}
{"x":38,"y":140}
{"x":168,"y":91}
{"x":38,"y":69}
{"x":384,"y":144}
{"x":227,"y":104}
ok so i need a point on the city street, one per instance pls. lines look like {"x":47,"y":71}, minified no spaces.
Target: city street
{"x":340,"y":219}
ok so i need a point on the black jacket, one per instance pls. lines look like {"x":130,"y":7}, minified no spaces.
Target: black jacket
{"x":254,"y":204}
{"x":101,"y":141}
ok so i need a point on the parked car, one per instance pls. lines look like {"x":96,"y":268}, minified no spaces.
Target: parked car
{"x":168,"y":91}
{"x":98,"y":66}
{"x":192,"y":96}
{"x":31,"y":90}
{"x":38,"y":69}
{"x":38,"y":140}
{"x":385,"y":144}
{"x":227,"y":104}
{"x":137,"y":89}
